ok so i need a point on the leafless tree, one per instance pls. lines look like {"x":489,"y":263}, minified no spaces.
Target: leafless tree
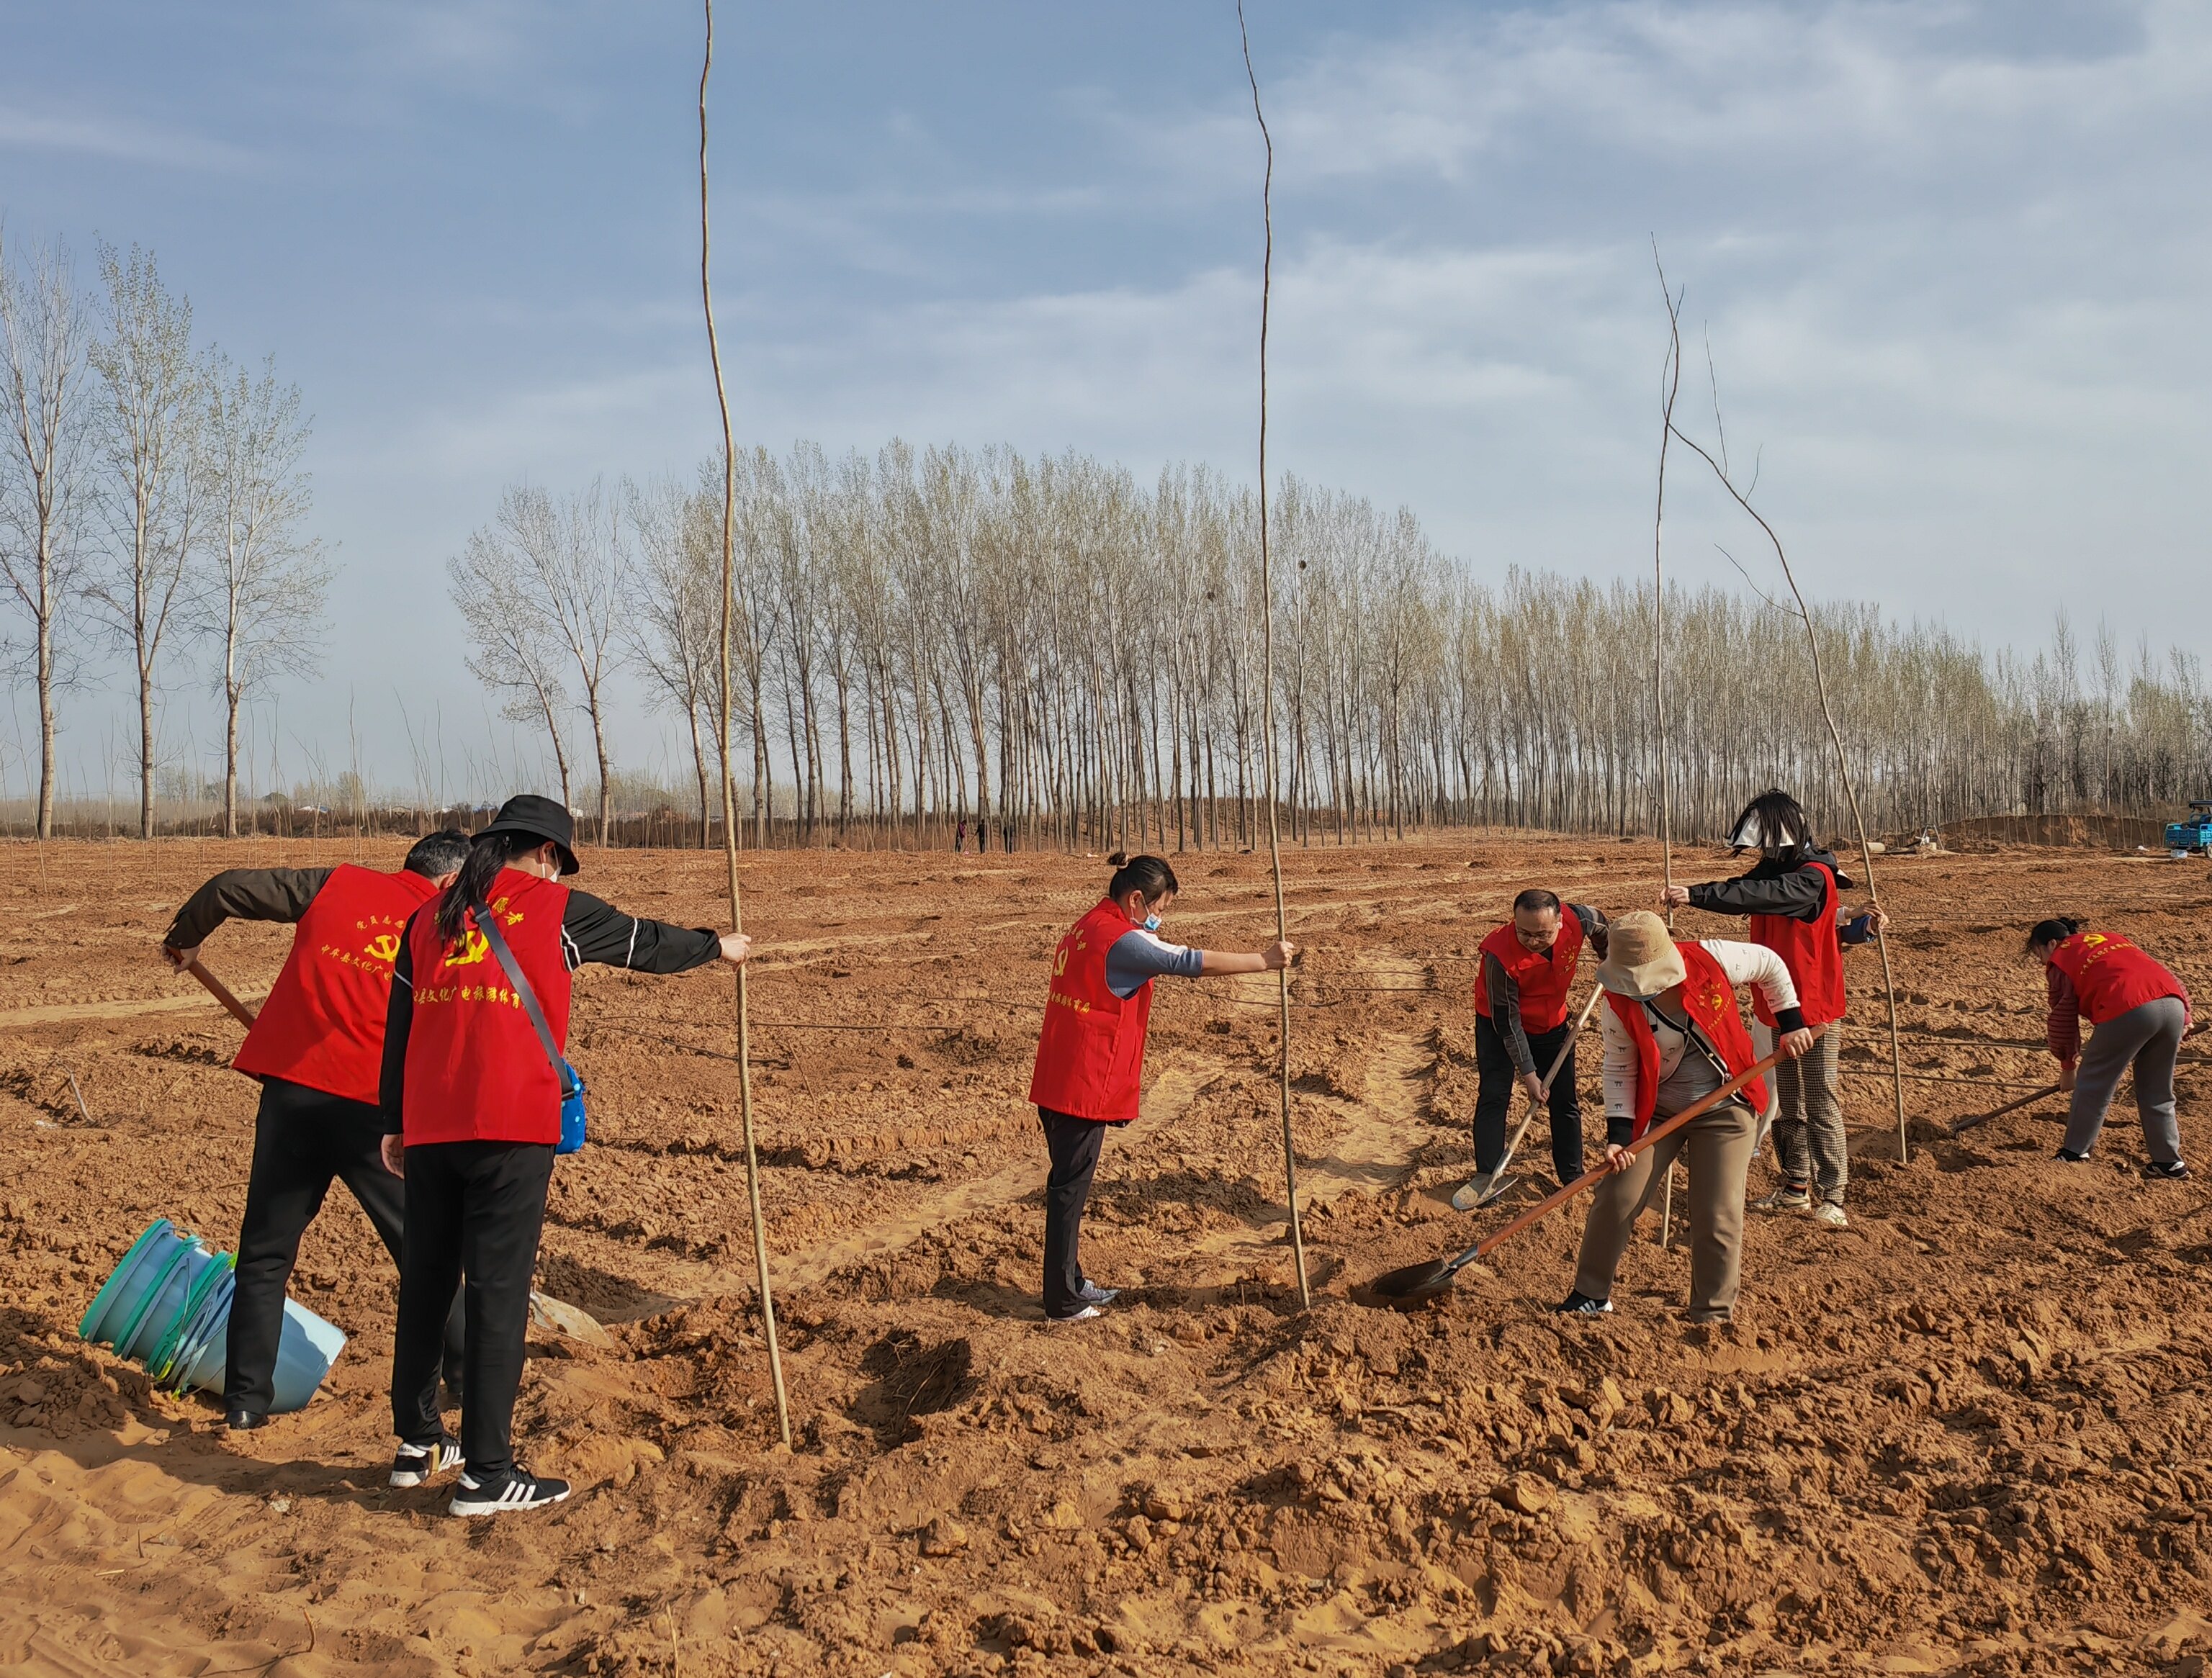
{"x":674,"y":630}
{"x":45,"y":461}
{"x":514,"y":651}
{"x":263,"y":579}
{"x":156,"y":482}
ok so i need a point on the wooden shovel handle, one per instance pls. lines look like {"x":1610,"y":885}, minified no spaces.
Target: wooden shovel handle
{"x":1491,"y":1243}
{"x":221,"y":992}
{"x":1966,"y":1124}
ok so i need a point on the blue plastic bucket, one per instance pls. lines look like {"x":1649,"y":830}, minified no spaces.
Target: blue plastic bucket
{"x":168,"y":1306}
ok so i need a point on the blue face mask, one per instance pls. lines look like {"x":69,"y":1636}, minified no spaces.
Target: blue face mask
{"x":1151,"y":923}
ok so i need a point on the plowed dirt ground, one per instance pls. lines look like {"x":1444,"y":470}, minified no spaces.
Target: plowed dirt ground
{"x":1969,"y":1433}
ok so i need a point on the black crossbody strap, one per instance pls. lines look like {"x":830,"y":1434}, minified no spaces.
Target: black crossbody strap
{"x":487,"y":924}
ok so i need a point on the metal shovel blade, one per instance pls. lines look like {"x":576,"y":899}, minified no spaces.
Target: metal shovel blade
{"x":1496,"y":1191}
{"x":1409,"y":1284}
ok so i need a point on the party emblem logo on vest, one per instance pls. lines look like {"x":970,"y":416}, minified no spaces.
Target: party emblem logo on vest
{"x":377,"y":951}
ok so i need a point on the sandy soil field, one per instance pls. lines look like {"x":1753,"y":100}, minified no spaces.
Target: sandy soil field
{"x":1966,"y":1434}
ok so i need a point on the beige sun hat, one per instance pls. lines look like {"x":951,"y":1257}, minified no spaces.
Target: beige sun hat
{"x":1641,"y":961}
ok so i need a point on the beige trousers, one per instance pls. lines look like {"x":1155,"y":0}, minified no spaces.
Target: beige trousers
{"x":1718,"y":1146}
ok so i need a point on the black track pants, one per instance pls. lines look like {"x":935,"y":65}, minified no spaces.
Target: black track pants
{"x":1498,"y":1083}
{"x":473,"y":1208}
{"x":1074,"y":1145}
{"x":302,"y":1139}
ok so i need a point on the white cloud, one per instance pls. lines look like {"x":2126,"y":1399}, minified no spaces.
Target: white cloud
{"x":123,"y":139}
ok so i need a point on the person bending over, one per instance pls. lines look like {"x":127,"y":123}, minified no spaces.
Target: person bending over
{"x":314,"y":1048}
{"x":2140,"y":1013}
{"x":1522,"y":1022}
{"x":1091,"y":1053}
{"x":1674,"y":1034}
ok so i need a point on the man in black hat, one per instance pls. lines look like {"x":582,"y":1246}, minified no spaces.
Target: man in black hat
{"x":471,"y":1096}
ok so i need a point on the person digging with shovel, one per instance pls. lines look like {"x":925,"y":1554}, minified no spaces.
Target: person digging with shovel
{"x":2140,"y":1013}
{"x":1673,"y":1034}
{"x":1790,"y":896}
{"x":1091,"y":1052}
{"x":1521,"y":1027}
{"x":315,"y":1048}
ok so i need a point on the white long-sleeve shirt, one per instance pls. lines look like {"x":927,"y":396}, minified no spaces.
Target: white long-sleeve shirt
{"x":1680,"y":1085}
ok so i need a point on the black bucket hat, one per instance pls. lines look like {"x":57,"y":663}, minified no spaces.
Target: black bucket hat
{"x":540,"y":818}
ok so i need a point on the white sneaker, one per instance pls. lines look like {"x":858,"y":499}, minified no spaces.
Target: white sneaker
{"x":1827,"y":1211}
{"x":1082,"y":1316}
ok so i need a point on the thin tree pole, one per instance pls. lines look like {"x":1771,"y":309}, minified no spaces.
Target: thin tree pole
{"x":729,"y":793}
{"x":1842,"y":769}
{"x":1268,"y":667}
{"x":1674,"y":371}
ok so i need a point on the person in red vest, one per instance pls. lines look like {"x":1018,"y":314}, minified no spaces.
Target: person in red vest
{"x":1091,"y":1052}
{"x":2140,"y":1013}
{"x":472,"y":1111}
{"x":1792,"y":899}
{"x":315,"y":1047}
{"x":1521,"y":1024}
{"x":1674,"y":1034}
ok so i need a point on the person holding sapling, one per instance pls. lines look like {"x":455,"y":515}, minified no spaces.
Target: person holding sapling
{"x":1674,"y":1035}
{"x":1091,"y":1052}
{"x":2140,"y":1013}
{"x":1522,"y":1023}
{"x":473,"y":1089}
{"x":314,"y":1048}
{"x":1791,"y":896}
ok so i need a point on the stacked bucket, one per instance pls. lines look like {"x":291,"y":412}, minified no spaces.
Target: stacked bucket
{"x":168,"y":1306}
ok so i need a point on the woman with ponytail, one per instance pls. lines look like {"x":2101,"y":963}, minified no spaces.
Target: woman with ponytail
{"x":1090,"y":1054}
{"x":472,"y":1100}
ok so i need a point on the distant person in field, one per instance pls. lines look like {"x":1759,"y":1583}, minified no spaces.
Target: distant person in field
{"x":1674,"y":1035}
{"x":471,"y":1113}
{"x":1791,"y":896}
{"x":1091,"y":1053}
{"x":315,"y":1047}
{"x":1522,"y":1021}
{"x":2140,"y":1013}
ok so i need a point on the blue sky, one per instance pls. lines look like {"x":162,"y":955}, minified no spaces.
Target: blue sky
{"x":1953,"y":260}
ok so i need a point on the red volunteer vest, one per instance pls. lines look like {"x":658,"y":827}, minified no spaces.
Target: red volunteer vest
{"x":476,"y":1071}
{"x":1708,"y":1000}
{"x":1090,"y":1054}
{"x":322,"y":1024}
{"x":1544,"y":976}
{"x":1812,"y":950}
{"x":2110,"y":975}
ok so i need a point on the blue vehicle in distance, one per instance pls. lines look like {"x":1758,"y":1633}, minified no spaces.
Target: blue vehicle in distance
{"x":2192,"y":837}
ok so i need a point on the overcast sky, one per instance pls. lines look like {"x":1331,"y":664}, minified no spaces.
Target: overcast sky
{"x":1953,"y":261}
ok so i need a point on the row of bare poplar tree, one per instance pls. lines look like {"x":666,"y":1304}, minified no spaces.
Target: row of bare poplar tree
{"x":152,"y":503}
{"x":1054,"y":653}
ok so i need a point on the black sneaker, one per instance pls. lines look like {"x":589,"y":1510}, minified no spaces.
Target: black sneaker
{"x":2071,"y":1156}
{"x":511,"y":1488}
{"x":245,"y":1421}
{"x":2167,"y":1171}
{"x":417,"y":1464}
{"x":1093,"y":1294}
{"x":1581,"y":1305}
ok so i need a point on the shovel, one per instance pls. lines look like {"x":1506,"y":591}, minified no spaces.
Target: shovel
{"x":221,"y":992}
{"x":1410,"y":1283}
{"x":1487,"y":1190}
